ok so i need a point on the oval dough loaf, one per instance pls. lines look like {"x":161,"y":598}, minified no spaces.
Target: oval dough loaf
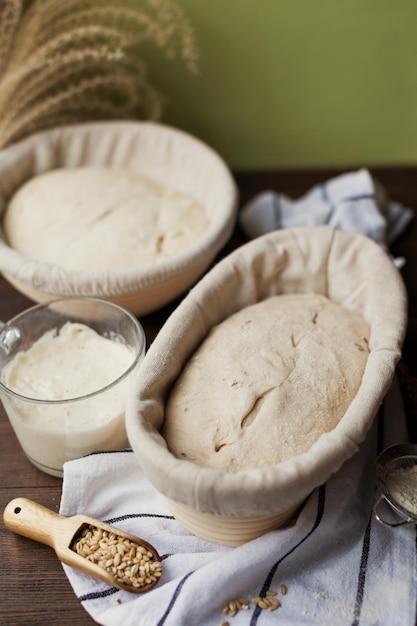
{"x":267,"y":382}
{"x":91,"y":218}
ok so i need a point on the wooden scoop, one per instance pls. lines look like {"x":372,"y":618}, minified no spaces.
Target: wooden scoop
{"x":96,"y":548}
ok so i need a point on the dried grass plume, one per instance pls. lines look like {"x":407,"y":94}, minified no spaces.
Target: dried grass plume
{"x":65,"y":61}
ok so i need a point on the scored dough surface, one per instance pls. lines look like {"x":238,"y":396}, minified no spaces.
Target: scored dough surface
{"x":91,"y":218}
{"x":267,"y":382}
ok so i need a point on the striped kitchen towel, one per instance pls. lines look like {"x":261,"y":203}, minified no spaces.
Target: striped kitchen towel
{"x":339,"y":565}
{"x":354,"y":201}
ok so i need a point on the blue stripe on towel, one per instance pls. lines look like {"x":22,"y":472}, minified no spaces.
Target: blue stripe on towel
{"x":363,"y":567}
{"x":121,"y":518}
{"x":173,"y":599}
{"x":359,"y":197}
{"x":268,"y":580}
{"x":98,"y":594}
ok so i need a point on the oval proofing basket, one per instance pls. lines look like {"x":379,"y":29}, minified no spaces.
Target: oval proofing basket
{"x":348,"y":268}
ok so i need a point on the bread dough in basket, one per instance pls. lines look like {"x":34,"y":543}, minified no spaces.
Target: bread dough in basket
{"x":267,"y":382}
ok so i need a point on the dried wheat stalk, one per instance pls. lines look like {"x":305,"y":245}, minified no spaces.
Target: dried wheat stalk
{"x":62,"y":62}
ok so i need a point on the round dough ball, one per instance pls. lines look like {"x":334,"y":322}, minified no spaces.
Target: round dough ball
{"x":92,"y":218}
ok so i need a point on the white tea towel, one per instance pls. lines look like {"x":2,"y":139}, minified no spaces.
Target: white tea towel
{"x":340,"y":566}
{"x":354,"y":201}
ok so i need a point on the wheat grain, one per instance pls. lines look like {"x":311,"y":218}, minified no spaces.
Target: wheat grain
{"x":64,"y":62}
{"x":129,"y":562}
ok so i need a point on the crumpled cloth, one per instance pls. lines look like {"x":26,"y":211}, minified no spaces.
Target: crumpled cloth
{"x":340,"y":566}
{"x":354,"y":201}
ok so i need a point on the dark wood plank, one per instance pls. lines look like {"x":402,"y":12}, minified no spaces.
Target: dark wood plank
{"x":34,"y":586}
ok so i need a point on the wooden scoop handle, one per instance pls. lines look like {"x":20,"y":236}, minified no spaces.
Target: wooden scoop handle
{"x":32,"y":520}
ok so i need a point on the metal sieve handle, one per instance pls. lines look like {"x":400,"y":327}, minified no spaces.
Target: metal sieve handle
{"x":384,"y":521}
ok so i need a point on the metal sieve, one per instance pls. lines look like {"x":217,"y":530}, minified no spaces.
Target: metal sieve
{"x":396,"y":479}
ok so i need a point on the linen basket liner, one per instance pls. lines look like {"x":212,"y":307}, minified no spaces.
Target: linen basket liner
{"x":167,"y":155}
{"x":348,"y":268}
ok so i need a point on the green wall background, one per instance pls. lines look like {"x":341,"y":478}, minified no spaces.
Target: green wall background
{"x":300,"y":83}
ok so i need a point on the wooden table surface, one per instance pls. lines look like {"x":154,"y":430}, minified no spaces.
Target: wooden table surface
{"x":33,"y":586}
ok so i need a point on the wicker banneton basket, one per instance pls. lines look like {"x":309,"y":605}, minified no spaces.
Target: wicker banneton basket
{"x":166,"y":155}
{"x":350,"y":269}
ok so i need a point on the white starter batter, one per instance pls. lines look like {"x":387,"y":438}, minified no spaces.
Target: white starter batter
{"x":66,"y":366}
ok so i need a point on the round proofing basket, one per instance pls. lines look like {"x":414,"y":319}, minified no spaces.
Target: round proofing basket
{"x":347,"y":268}
{"x":166,"y":155}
